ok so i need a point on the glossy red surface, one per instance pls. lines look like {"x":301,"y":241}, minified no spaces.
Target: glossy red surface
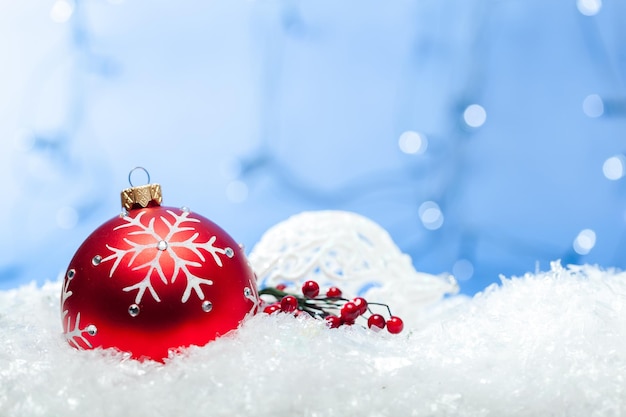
{"x":156,"y":279}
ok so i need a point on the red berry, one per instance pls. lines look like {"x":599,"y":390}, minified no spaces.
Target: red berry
{"x":333,"y":321}
{"x":395,"y":325}
{"x":281,"y":287}
{"x":333,"y":292}
{"x":349,"y":311}
{"x":361,"y":303}
{"x":289,"y":304}
{"x":376,"y":322}
{"x":272,"y":308}
{"x":310,"y":289}
{"x":347,"y":322}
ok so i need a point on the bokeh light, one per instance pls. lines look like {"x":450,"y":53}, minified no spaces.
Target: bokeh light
{"x":61,"y":11}
{"x":585,"y":241}
{"x":589,"y":7}
{"x":463,"y":270}
{"x":613,"y":167}
{"x":475,"y":115}
{"x":431,"y":215}
{"x":411,"y":142}
{"x":593,"y":105}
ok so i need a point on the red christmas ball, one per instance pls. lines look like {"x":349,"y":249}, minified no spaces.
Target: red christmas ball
{"x":156,"y":279}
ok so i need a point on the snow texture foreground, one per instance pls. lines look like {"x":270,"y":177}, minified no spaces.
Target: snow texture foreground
{"x":547,"y":344}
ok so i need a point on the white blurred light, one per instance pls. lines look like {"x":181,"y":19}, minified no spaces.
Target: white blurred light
{"x":593,"y":106}
{"x":411,"y":142}
{"x":431,"y":215}
{"x":475,"y":115}
{"x":237,"y":191}
{"x":589,"y":7}
{"x":67,"y":217}
{"x":61,"y":11}
{"x":613,"y":168}
{"x":585,"y":241}
{"x":462,"y":270}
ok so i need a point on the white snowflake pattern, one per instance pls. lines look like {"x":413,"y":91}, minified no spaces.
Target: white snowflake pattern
{"x":251,"y":294}
{"x":165,"y":244}
{"x":75,"y":334}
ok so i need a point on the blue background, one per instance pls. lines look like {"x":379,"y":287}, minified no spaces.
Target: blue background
{"x":251,"y":111}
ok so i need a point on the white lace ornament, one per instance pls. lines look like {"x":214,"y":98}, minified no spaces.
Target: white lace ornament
{"x":349,"y":251}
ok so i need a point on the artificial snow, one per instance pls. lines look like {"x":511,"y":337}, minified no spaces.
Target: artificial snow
{"x":550,"y":343}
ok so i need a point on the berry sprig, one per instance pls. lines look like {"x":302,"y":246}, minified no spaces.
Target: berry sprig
{"x":331,"y":307}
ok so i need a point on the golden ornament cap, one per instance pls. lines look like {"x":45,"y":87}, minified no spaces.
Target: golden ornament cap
{"x":142,"y":196}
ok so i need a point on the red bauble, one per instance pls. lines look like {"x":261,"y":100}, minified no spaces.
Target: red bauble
{"x":156,"y":279}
